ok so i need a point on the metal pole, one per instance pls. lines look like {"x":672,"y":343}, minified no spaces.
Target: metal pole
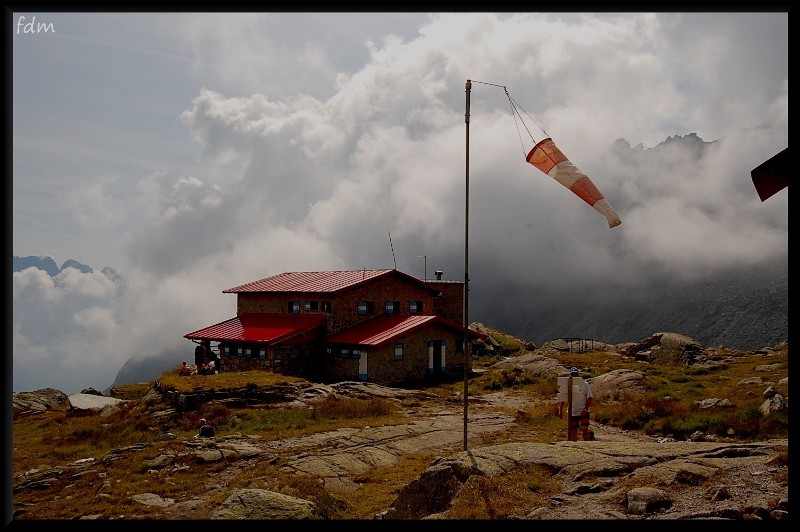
{"x":466,"y":274}
{"x":569,"y":405}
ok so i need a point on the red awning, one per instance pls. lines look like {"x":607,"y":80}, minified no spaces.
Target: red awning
{"x":384,"y":329}
{"x":263,"y":328}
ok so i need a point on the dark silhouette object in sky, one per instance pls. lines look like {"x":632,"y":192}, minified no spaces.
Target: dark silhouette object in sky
{"x":772,"y":175}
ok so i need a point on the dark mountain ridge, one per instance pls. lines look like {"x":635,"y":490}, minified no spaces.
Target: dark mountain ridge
{"x":43,"y":263}
{"x":48,"y":265}
{"x":145,"y":369}
{"x":744,"y":310}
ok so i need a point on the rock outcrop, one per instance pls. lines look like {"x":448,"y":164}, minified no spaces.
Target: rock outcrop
{"x":595,"y":475}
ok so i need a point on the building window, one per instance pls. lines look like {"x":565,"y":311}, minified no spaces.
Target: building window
{"x":239,"y":352}
{"x":366,"y":307}
{"x":398,"y":351}
{"x":294,"y":307}
{"x":227,"y":350}
{"x":326,"y":306}
{"x":415,"y":307}
{"x":311,"y":306}
{"x":392,"y":307}
{"x":356,"y":353}
{"x":344,"y":353}
{"x":262,"y":352}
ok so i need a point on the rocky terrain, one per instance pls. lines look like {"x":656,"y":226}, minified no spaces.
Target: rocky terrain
{"x":620,"y":475}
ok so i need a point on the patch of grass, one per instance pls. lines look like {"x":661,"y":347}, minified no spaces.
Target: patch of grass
{"x":225,"y":381}
{"x":378,"y":487}
{"x":348,"y":408}
{"x":507,"y":496}
{"x":781,"y":460}
{"x":672,"y":391}
{"x":329,"y":414}
{"x":507,"y":344}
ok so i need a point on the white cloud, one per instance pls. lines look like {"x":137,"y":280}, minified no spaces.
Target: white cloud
{"x":314,"y":137}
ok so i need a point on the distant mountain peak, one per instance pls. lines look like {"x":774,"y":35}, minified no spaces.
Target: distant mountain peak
{"x":43,"y":263}
{"x":691,"y":142}
{"x":48,"y":265}
{"x":77,"y":265}
{"x":111,"y":273}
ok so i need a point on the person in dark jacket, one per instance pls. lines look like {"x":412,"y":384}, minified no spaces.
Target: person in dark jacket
{"x":206,"y":430}
{"x":199,"y":355}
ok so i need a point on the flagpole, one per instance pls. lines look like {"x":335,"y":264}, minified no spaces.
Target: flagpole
{"x":466,"y":273}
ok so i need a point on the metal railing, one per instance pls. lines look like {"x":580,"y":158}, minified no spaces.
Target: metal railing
{"x":583,"y":344}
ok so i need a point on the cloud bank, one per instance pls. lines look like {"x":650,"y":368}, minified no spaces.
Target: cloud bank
{"x":312,"y":159}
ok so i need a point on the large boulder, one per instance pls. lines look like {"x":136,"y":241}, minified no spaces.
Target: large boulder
{"x":26,"y":403}
{"x":533,"y":363}
{"x":263,"y":504}
{"x":667,"y":348}
{"x":612,"y":383}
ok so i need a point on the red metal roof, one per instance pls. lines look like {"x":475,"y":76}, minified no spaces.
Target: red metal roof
{"x":332,"y":281}
{"x":258,"y":327}
{"x":384,"y":329}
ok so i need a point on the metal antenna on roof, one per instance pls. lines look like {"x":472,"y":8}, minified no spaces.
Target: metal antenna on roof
{"x":391,"y":246}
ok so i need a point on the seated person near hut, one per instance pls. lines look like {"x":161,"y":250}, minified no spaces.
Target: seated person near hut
{"x":185,"y":370}
{"x":206,"y":430}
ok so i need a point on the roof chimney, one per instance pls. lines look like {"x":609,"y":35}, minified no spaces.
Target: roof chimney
{"x":438,"y":274}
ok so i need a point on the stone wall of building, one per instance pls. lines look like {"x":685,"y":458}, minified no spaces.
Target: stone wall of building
{"x":451,"y":305}
{"x":284,"y":359}
{"x":382,"y":368}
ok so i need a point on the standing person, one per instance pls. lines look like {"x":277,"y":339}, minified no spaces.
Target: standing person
{"x":199,"y":355}
{"x":581,"y":403}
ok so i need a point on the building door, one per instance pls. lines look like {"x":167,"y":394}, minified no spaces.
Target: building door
{"x":435,"y":356}
{"x":362,"y":366}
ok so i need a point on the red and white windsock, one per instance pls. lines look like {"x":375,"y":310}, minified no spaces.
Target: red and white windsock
{"x":548,"y":158}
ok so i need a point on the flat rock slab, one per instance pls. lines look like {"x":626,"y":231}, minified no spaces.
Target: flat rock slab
{"x":344,"y":453}
{"x":88,"y":401}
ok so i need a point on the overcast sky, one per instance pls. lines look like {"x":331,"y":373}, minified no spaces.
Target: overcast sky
{"x":196,"y":152}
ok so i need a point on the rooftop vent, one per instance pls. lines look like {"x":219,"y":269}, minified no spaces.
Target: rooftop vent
{"x":438,"y":274}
